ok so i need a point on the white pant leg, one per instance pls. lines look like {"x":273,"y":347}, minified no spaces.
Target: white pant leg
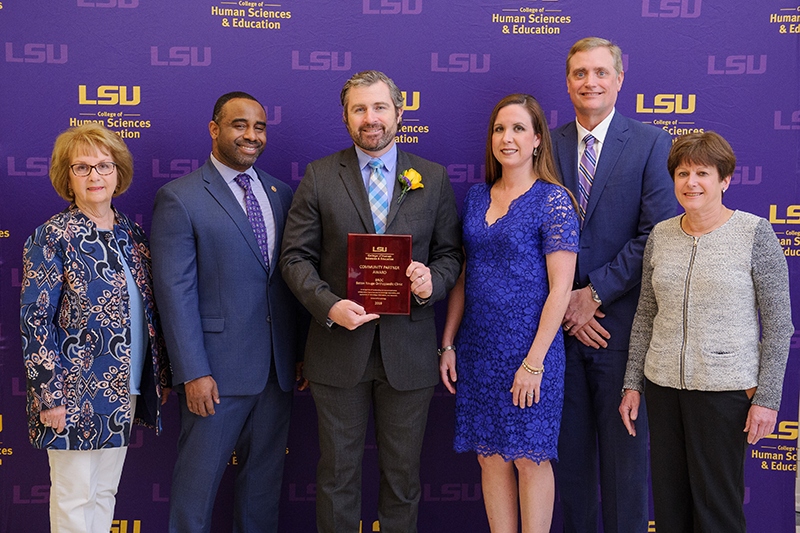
{"x":83,"y":488}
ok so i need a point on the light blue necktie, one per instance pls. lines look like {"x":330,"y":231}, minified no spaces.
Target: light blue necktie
{"x":586,"y":174}
{"x":378,"y":196}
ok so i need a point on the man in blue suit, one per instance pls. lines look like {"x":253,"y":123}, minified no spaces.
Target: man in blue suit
{"x":624,"y":191}
{"x":230,"y":321}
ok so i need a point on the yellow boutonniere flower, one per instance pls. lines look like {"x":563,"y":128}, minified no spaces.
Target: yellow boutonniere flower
{"x":410,"y":180}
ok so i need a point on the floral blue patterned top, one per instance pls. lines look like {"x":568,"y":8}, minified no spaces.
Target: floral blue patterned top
{"x":75,"y":322}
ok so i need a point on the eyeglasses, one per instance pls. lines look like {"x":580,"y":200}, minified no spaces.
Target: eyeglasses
{"x":104,"y":169}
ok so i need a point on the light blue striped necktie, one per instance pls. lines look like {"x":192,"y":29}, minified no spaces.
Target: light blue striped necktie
{"x":378,"y":196}
{"x":586,"y":174}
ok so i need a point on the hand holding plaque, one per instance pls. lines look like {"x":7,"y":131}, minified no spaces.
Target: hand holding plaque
{"x":376,"y":272}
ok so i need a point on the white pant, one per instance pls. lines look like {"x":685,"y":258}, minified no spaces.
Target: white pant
{"x":83,"y":488}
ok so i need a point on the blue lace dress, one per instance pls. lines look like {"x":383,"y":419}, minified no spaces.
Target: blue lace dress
{"x":506,"y":288}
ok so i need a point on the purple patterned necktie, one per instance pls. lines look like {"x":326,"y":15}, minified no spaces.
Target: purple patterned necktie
{"x":586,"y":174}
{"x":255,"y":215}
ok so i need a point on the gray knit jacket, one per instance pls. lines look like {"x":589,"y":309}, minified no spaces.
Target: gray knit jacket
{"x":697,"y":323}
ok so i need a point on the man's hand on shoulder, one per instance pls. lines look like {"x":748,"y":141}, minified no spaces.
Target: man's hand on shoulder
{"x":201,"y":395}
{"x":350,"y":315}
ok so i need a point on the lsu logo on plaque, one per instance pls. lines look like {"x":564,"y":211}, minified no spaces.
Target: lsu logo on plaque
{"x":737,"y":65}
{"x":181,"y":56}
{"x":36,"y":53}
{"x":392,"y":7}
{"x":109,"y":95}
{"x":666,"y":103}
{"x":685,"y":9}
{"x":322,"y":61}
{"x":109,"y":3}
{"x":461,"y":63}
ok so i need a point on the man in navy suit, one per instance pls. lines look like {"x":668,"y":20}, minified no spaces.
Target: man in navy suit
{"x":630,"y":191}
{"x":356,"y":359}
{"x":230,"y":322}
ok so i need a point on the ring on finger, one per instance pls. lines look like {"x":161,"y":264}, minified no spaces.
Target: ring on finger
{"x":530,"y":395}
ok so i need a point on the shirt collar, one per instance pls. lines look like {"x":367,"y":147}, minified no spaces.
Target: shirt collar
{"x":389,"y":158}
{"x":229,"y":174}
{"x":599,"y":132}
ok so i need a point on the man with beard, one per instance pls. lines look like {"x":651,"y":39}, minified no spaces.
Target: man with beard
{"x":230,"y":322}
{"x":355,"y":359}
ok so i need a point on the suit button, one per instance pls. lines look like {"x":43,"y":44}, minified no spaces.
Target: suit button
{"x":269,"y":319}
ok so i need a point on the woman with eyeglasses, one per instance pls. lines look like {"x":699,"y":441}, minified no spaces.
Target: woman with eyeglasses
{"x":94,"y":355}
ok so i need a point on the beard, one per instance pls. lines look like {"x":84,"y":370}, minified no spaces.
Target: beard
{"x":372,"y":143}
{"x":241,"y":159}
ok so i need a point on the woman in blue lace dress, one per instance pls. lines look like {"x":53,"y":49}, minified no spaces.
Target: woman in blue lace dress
{"x":521,"y":239}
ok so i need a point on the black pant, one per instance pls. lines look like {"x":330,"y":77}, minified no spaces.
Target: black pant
{"x":697,"y":451}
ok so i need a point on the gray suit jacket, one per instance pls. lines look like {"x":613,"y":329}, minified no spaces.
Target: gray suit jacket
{"x":330,"y":202}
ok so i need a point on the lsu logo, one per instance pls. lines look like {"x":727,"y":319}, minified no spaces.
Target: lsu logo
{"x":793,"y":124}
{"x":460,"y":63}
{"x":787,"y":430}
{"x":36,"y":494}
{"x":738,"y":65}
{"x":323,"y":61}
{"x":109,"y":3}
{"x":177,"y":168}
{"x":414,"y":101}
{"x":666,"y":103}
{"x":110,"y":95}
{"x":34,"y":166}
{"x":37,"y":53}
{"x":464,"y":173}
{"x":121,"y":526}
{"x":276,"y":115}
{"x":792,"y":217}
{"x":392,"y":7}
{"x":741,"y":176}
{"x":181,"y":56}
{"x":685,"y":9}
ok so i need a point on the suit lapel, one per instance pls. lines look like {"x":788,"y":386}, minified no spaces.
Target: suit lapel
{"x":402,"y":165}
{"x":353,"y":181}
{"x":568,"y":156}
{"x":616,"y":138}
{"x":217,"y":187}
{"x":277,"y":217}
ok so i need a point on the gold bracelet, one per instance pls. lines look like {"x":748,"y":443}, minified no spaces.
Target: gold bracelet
{"x":532,"y":370}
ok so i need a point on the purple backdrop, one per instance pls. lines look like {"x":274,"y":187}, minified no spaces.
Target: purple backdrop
{"x":152,"y":71}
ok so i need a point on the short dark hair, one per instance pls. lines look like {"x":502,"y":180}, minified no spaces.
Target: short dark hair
{"x":225,"y":98}
{"x":707,"y":148}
